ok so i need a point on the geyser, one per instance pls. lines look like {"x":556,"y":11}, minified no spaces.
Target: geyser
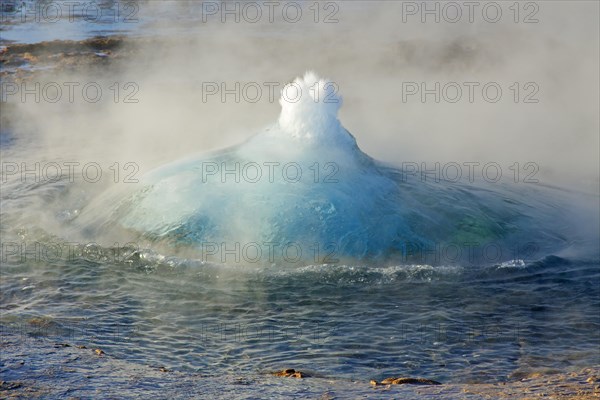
{"x":302,"y":191}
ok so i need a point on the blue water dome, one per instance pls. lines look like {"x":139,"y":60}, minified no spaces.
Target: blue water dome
{"x":303,"y":191}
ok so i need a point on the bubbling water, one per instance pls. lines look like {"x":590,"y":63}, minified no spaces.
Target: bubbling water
{"x":302,"y":190}
{"x":310,"y":115}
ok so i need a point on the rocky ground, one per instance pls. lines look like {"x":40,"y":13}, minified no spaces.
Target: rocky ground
{"x":40,"y":368}
{"x":21,"y":61}
{"x":24,"y":63}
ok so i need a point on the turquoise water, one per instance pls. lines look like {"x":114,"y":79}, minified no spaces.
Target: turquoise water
{"x":455,"y":322}
{"x":356,"y":323}
{"x":88,"y":269}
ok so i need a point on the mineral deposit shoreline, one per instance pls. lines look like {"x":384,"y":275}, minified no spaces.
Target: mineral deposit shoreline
{"x":40,"y":367}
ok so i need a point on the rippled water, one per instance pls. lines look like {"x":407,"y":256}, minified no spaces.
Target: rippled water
{"x":452,"y":322}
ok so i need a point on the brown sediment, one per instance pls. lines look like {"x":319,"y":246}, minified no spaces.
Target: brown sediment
{"x":10,"y":385}
{"x":580,"y":385}
{"x":40,"y":322}
{"x":409,"y":381}
{"x":64,"y":46}
{"x":24,"y":61}
{"x":291,"y":373}
{"x":576,"y":385}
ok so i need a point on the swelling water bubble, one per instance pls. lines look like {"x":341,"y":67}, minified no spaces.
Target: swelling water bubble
{"x":221,"y":206}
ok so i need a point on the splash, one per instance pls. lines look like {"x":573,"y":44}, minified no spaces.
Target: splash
{"x":309,"y":113}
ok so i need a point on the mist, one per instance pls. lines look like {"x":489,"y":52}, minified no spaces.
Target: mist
{"x":375,"y":52}
{"x":445,"y":230}
{"x":370,"y":53}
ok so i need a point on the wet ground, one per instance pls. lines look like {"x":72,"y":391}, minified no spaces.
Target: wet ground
{"x":40,"y":368}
